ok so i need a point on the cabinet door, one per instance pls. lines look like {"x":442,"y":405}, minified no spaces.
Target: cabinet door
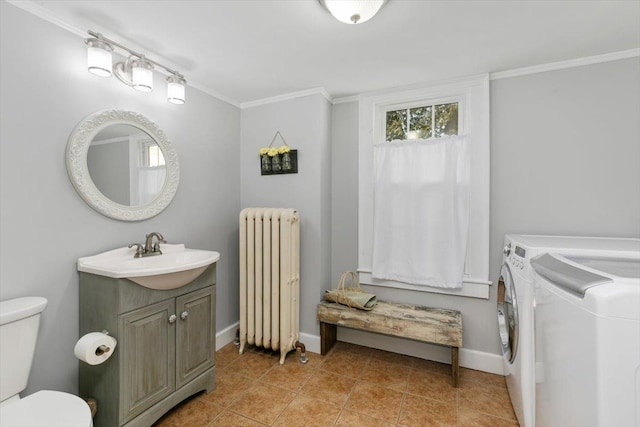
{"x":147,"y":365}
{"x":195,"y":335}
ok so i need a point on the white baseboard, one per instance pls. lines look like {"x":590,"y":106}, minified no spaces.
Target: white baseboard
{"x":472,"y":359}
{"x":226,"y":335}
{"x":311,"y":342}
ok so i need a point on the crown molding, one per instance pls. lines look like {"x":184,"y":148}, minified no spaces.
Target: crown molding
{"x":287,"y":96}
{"x":570,"y":63}
{"x":345,"y":99}
{"x":44,"y":13}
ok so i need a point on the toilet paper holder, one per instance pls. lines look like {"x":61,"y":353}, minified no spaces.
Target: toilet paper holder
{"x":103,"y":348}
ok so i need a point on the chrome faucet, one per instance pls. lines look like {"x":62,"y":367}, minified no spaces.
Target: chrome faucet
{"x":149,"y":248}
{"x":153,"y":248}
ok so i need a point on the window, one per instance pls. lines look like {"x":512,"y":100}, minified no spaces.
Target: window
{"x":424,"y":122}
{"x":432,"y":111}
{"x":152,"y":155}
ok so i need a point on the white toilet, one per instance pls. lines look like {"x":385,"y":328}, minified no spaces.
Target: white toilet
{"x":19,"y":321}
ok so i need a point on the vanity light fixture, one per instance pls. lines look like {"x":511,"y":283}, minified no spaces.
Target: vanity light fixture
{"x":175,"y":89}
{"x":353,"y":11}
{"x":136,"y":71}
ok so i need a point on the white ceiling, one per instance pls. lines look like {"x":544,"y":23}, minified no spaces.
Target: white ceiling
{"x":248,"y":50}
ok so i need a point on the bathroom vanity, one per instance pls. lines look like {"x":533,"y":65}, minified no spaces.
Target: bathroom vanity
{"x":165,"y":350}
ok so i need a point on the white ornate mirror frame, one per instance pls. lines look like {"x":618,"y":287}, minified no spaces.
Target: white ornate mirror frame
{"x":78,"y":147}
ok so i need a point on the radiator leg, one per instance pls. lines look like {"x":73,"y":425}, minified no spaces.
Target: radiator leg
{"x":303,"y":349}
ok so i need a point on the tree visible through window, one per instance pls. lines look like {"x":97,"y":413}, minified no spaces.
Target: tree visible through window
{"x":430,"y":121}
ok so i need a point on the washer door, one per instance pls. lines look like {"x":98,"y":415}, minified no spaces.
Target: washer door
{"x":507,"y":314}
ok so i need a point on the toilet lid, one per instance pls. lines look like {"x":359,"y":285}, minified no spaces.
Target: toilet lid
{"x":47,"y":409}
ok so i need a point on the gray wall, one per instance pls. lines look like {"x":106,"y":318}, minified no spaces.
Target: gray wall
{"x":108,"y":165}
{"x":45,"y":226}
{"x":565,"y":159}
{"x":305,"y":123}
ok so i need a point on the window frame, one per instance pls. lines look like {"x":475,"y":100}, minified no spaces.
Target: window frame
{"x":472,"y":94}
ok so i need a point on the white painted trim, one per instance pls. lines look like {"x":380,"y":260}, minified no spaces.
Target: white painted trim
{"x":213,"y":93}
{"x":311,"y":342}
{"x":44,"y":13}
{"x":571,"y":63}
{"x":345,"y":99}
{"x":473,"y":288}
{"x":472,"y":359}
{"x":227,"y":335}
{"x":288,"y":96}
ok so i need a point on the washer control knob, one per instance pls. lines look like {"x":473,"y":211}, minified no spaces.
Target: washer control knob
{"x":507,"y":249}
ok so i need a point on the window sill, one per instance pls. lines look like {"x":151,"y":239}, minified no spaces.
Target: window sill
{"x":472,"y":288}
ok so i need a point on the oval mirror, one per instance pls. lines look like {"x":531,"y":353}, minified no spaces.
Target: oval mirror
{"x":123,"y":165}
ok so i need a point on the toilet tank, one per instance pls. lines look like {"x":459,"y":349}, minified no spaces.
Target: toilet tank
{"x":19,"y":321}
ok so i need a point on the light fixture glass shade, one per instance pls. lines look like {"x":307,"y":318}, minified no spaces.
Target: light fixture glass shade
{"x":353,"y":11}
{"x":99,"y":57}
{"x":175,"y":89}
{"x":142,"y":75}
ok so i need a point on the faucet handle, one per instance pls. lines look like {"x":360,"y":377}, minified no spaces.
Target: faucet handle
{"x":139,"y":250}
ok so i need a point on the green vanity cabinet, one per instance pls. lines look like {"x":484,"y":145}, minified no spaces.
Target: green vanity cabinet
{"x":165,"y":351}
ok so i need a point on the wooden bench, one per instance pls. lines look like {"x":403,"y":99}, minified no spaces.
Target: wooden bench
{"x":429,"y":325}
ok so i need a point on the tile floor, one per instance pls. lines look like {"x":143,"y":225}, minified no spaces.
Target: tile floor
{"x":351,"y":386}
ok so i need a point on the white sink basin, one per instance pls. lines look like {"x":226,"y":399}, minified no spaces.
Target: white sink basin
{"x":176,"y":267}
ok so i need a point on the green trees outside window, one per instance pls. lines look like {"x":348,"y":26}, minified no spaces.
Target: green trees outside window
{"x":431,"y":121}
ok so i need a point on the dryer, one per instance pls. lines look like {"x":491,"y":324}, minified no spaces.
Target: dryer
{"x":587,"y":341}
{"x":515,"y":304}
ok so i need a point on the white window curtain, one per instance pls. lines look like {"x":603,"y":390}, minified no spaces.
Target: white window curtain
{"x":150,"y":183}
{"x":421,"y":211}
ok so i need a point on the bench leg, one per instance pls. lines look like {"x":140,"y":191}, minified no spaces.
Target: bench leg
{"x":328,"y":337}
{"x":455,"y":368}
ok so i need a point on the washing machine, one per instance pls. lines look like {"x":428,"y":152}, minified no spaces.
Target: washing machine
{"x":587,"y":341}
{"x":515,"y":304}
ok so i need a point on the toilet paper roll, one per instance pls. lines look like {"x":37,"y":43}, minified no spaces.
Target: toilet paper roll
{"x":95,"y":347}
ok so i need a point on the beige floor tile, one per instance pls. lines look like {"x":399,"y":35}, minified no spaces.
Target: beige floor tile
{"x":263,"y":402}
{"x":469,"y":418}
{"x":291,"y":375}
{"x":352,"y":386}
{"x":343,"y":363}
{"x":193,"y":412}
{"x":387,"y":374}
{"x":226,"y":355}
{"x":329,"y":387}
{"x":229,"y":419}
{"x":375,"y":401}
{"x":354,"y":419}
{"x":307,"y":412}
{"x":229,"y":387}
{"x":467,"y":375}
{"x":252,"y":365}
{"x":486,"y":399}
{"x":421,"y":412}
{"x":432,"y":386}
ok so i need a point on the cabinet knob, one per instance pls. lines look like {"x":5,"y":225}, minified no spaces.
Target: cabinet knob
{"x":184,"y":315}
{"x":172,"y":318}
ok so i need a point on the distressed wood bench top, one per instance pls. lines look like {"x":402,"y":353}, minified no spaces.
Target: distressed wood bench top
{"x":433,"y":325}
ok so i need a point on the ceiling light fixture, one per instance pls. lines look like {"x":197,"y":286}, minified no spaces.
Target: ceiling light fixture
{"x":353,"y":11}
{"x":136,"y":71}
